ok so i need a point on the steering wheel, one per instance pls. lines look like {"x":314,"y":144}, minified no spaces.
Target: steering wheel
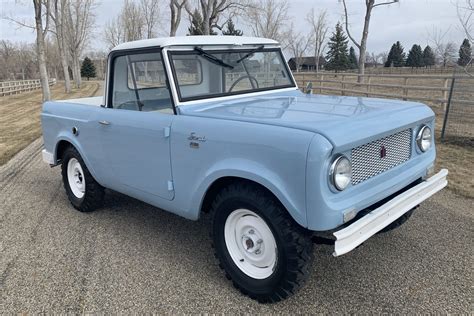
{"x":241,"y":78}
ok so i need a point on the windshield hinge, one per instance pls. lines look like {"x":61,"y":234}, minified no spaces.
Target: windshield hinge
{"x":166,"y":131}
{"x":170,"y":186}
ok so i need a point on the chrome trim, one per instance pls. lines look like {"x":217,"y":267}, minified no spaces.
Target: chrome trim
{"x":419,"y":138}
{"x":332,"y":175}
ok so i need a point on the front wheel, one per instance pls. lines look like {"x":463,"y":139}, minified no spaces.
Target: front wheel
{"x":259,"y":246}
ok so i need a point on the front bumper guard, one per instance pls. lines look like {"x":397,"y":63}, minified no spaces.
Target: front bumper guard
{"x":355,"y":234}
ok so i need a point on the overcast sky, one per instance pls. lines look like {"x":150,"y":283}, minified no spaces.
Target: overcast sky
{"x":409,"y":21}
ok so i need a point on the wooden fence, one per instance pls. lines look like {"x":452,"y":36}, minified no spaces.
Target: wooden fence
{"x":14,"y":87}
{"x":430,"y":88}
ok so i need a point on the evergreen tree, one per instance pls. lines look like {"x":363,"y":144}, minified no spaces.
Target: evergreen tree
{"x":353,"y":64}
{"x":465,"y":53}
{"x":415,"y":57}
{"x":396,"y":56}
{"x":428,"y":57}
{"x":197,"y":25}
{"x":231,"y":30}
{"x":88,"y":69}
{"x":337,"y":55}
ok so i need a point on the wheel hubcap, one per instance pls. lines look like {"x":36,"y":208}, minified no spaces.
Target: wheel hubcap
{"x":75,"y":177}
{"x":250,"y":243}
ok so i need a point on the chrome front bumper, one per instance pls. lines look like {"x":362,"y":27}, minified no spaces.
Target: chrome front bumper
{"x":355,"y":234}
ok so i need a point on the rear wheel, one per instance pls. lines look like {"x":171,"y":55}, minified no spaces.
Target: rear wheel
{"x":84,"y":193}
{"x":259,"y":246}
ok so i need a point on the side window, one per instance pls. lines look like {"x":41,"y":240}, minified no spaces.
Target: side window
{"x":139,"y":84}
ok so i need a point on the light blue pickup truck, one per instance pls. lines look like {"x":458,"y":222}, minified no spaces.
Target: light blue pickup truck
{"x":216,"y":124}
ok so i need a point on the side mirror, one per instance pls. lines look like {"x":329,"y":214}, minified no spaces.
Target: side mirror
{"x":309,"y":88}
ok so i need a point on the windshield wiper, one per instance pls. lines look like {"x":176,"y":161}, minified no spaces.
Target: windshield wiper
{"x":250,"y":53}
{"x":213,"y":59}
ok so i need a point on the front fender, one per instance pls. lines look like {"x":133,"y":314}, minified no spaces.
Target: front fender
{"x":256,"y":172}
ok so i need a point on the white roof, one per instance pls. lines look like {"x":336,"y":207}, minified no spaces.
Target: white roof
{"x":196,"y":41}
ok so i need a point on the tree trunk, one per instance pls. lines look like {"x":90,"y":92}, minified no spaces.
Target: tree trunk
{"x":173,"y":20}
{"x":60,"y":20}
{"x":76,"y":71}
{"x":40,"y":50}
{"x":363,"y":42}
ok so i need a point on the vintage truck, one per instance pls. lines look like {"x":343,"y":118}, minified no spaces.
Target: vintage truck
{"x":217,"y":124}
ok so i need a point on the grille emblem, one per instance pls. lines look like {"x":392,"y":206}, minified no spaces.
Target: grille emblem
{"x":383,"y":152}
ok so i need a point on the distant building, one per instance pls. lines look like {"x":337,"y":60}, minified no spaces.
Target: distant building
{"x":307,"y":63}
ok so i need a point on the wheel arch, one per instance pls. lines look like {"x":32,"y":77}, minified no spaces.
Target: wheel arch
{"x":219,"y":183}
{"x":62,"y":143}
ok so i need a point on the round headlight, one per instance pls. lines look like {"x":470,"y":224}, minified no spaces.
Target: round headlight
{"x":424,"y":138}
{"x":340,"y":173}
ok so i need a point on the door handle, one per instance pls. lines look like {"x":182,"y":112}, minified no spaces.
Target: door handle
{"x":104,"y":122}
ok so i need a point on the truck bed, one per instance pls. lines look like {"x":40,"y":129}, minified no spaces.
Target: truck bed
{"x":97,"y":101}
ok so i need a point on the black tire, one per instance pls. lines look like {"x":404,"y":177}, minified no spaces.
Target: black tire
{"x":397,"y":223}
{"x":294,"y":245}
{"x":94,"y":192}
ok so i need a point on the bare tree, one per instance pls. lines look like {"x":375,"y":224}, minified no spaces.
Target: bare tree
{"x":151,"y":15}
{"x":133,"y":21}
{"x":465,"y":10}
{"x":445,"y":51}
{"x":297,"y":45}
{"x":448,"y":53}
{"x":212,"y":10}
{"x":59,"y":18}
{"x":80,"y":21}
{"x":114,"y":32}
{"x":42,"y":18}
{"x":362,"y":45}
{"x":382,"y":57}
{"x":268,"y":18}
{"x":19,"y":61}
{"x":319,"y":30}
{"x":7,"y":55}
{"x":176,"y":7}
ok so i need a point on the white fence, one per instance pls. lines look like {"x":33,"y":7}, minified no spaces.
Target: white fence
{"x":19,"y":86}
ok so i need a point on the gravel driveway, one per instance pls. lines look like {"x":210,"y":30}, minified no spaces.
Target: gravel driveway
{"x":131,"y":257}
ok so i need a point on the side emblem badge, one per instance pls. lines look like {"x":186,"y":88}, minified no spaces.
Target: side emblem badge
{"x":383,"y":152}
{"x":195,"y":140}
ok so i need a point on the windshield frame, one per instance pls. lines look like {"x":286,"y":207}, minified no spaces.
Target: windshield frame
{"x":209,"y":50}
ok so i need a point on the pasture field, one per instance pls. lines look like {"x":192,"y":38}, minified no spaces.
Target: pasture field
{"x":20,"y":116}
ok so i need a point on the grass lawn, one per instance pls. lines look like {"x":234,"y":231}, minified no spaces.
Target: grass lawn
{"x":20,"y":116}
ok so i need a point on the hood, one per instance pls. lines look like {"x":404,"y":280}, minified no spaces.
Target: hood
{"x":342,"y":120}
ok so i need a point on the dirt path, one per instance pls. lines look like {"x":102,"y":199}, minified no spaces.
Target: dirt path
{"x":19,"y":116}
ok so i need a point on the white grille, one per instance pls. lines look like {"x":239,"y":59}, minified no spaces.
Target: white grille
{"x":381,"y":155}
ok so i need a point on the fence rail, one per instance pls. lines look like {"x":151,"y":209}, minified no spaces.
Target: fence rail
{"x":19,"y":86}
{"x":430,"y":88}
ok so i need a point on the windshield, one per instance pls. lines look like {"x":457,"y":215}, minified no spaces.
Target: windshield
{"x":202,"y":73}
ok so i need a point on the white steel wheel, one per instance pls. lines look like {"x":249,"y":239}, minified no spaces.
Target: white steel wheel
{"x":250,"y":243}
{"x":75,"y":177}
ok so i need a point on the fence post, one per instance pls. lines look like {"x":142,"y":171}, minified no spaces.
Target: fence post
{"x":405,"y":89}
{"x":321,"y":84}
{"x":448,"y":106}
{"x":369,"y":79}
{"x":342,"y":86}
{"x":445,"y":92}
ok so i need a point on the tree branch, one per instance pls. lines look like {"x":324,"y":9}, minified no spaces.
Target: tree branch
{"x":347,"y":25}
{"x":384,"y":3}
